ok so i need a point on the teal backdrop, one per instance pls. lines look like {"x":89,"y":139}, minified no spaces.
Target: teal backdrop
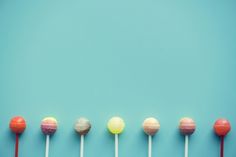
{"x":131,"y":58}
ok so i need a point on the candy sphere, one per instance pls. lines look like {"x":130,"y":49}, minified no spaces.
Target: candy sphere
{"x":82,"y":126}
{"x":187,"y":126}
{"x":49,"y":125}
{"x":17,"y":124}
{"x":222,"y":127}
{"x":116,"y":125}
{"x":151,"y":126}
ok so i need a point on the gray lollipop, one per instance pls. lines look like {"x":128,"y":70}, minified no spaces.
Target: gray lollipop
{"x":82,"y":126}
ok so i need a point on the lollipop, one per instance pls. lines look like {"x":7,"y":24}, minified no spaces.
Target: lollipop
{"x":116,"y":125}
{"x":150,"y":126}
{"x":48,"y":127}
{"x":222,"y":127}
{"x":82,"y":126}
{"x":187,"y":127}
{"x":17,"y":125}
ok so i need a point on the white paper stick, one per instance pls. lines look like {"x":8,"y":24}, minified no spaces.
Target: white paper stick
{"x":82,"y":146}
{"x":186,"y":146}
{"x":116,"y":145}
{"x":47,"y":145}
{"x":149,"y":146}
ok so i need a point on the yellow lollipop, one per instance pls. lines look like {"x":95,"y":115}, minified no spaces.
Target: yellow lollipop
{"x":116,"y":125}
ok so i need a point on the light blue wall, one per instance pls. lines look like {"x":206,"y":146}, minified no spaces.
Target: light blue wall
{"x":132,"y":58}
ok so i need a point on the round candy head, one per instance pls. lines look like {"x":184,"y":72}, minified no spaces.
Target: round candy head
{"x":116,"y":125}
{"x":17,"y":125}
{"x":49,"y":125}
{"x":187,"y":126}
{"x":151,"y":126}
{"x":222,"y":127}
{"x":82,"y":126}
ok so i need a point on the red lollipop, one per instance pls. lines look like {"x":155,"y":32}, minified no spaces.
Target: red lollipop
{"x":17,"y":125}
{"x":222,"y":127}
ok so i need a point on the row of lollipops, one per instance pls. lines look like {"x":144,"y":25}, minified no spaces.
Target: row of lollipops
{"x":116,"y":126}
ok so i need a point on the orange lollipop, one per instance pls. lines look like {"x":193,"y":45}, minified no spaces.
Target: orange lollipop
{"x":17,"y":125}
{"x":222,"y":128}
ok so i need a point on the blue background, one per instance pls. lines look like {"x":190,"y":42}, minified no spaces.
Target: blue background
{"x":132,"y":58}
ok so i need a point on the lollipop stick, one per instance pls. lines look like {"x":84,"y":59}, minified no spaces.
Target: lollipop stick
{"x":149,"y":146}
{"x":116,"y":145}
{"x":82,"y":146}
{"x":186,"y":146}
{"x":222,"y":146}
{"x":17,"y":145}
{"x":47,"y":145}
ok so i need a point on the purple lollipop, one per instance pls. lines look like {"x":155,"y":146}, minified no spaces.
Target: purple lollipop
{"x":48,"y":127}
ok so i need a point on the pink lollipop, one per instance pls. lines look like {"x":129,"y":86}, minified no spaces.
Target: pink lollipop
{"x":187,"y":127}
{"x":48,"y":127}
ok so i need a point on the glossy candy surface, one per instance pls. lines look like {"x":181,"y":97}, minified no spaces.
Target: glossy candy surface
{"x":151,"y":126}
{"x":17,"y":124}
{"x":116,"y":125}
{"x":222,"y":127}
{"x":187,"y":126}
{"x":49,"y":125}
{"x":82,"y":126}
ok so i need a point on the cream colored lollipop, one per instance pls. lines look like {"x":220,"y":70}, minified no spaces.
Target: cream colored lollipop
{"x":151,"y":126}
